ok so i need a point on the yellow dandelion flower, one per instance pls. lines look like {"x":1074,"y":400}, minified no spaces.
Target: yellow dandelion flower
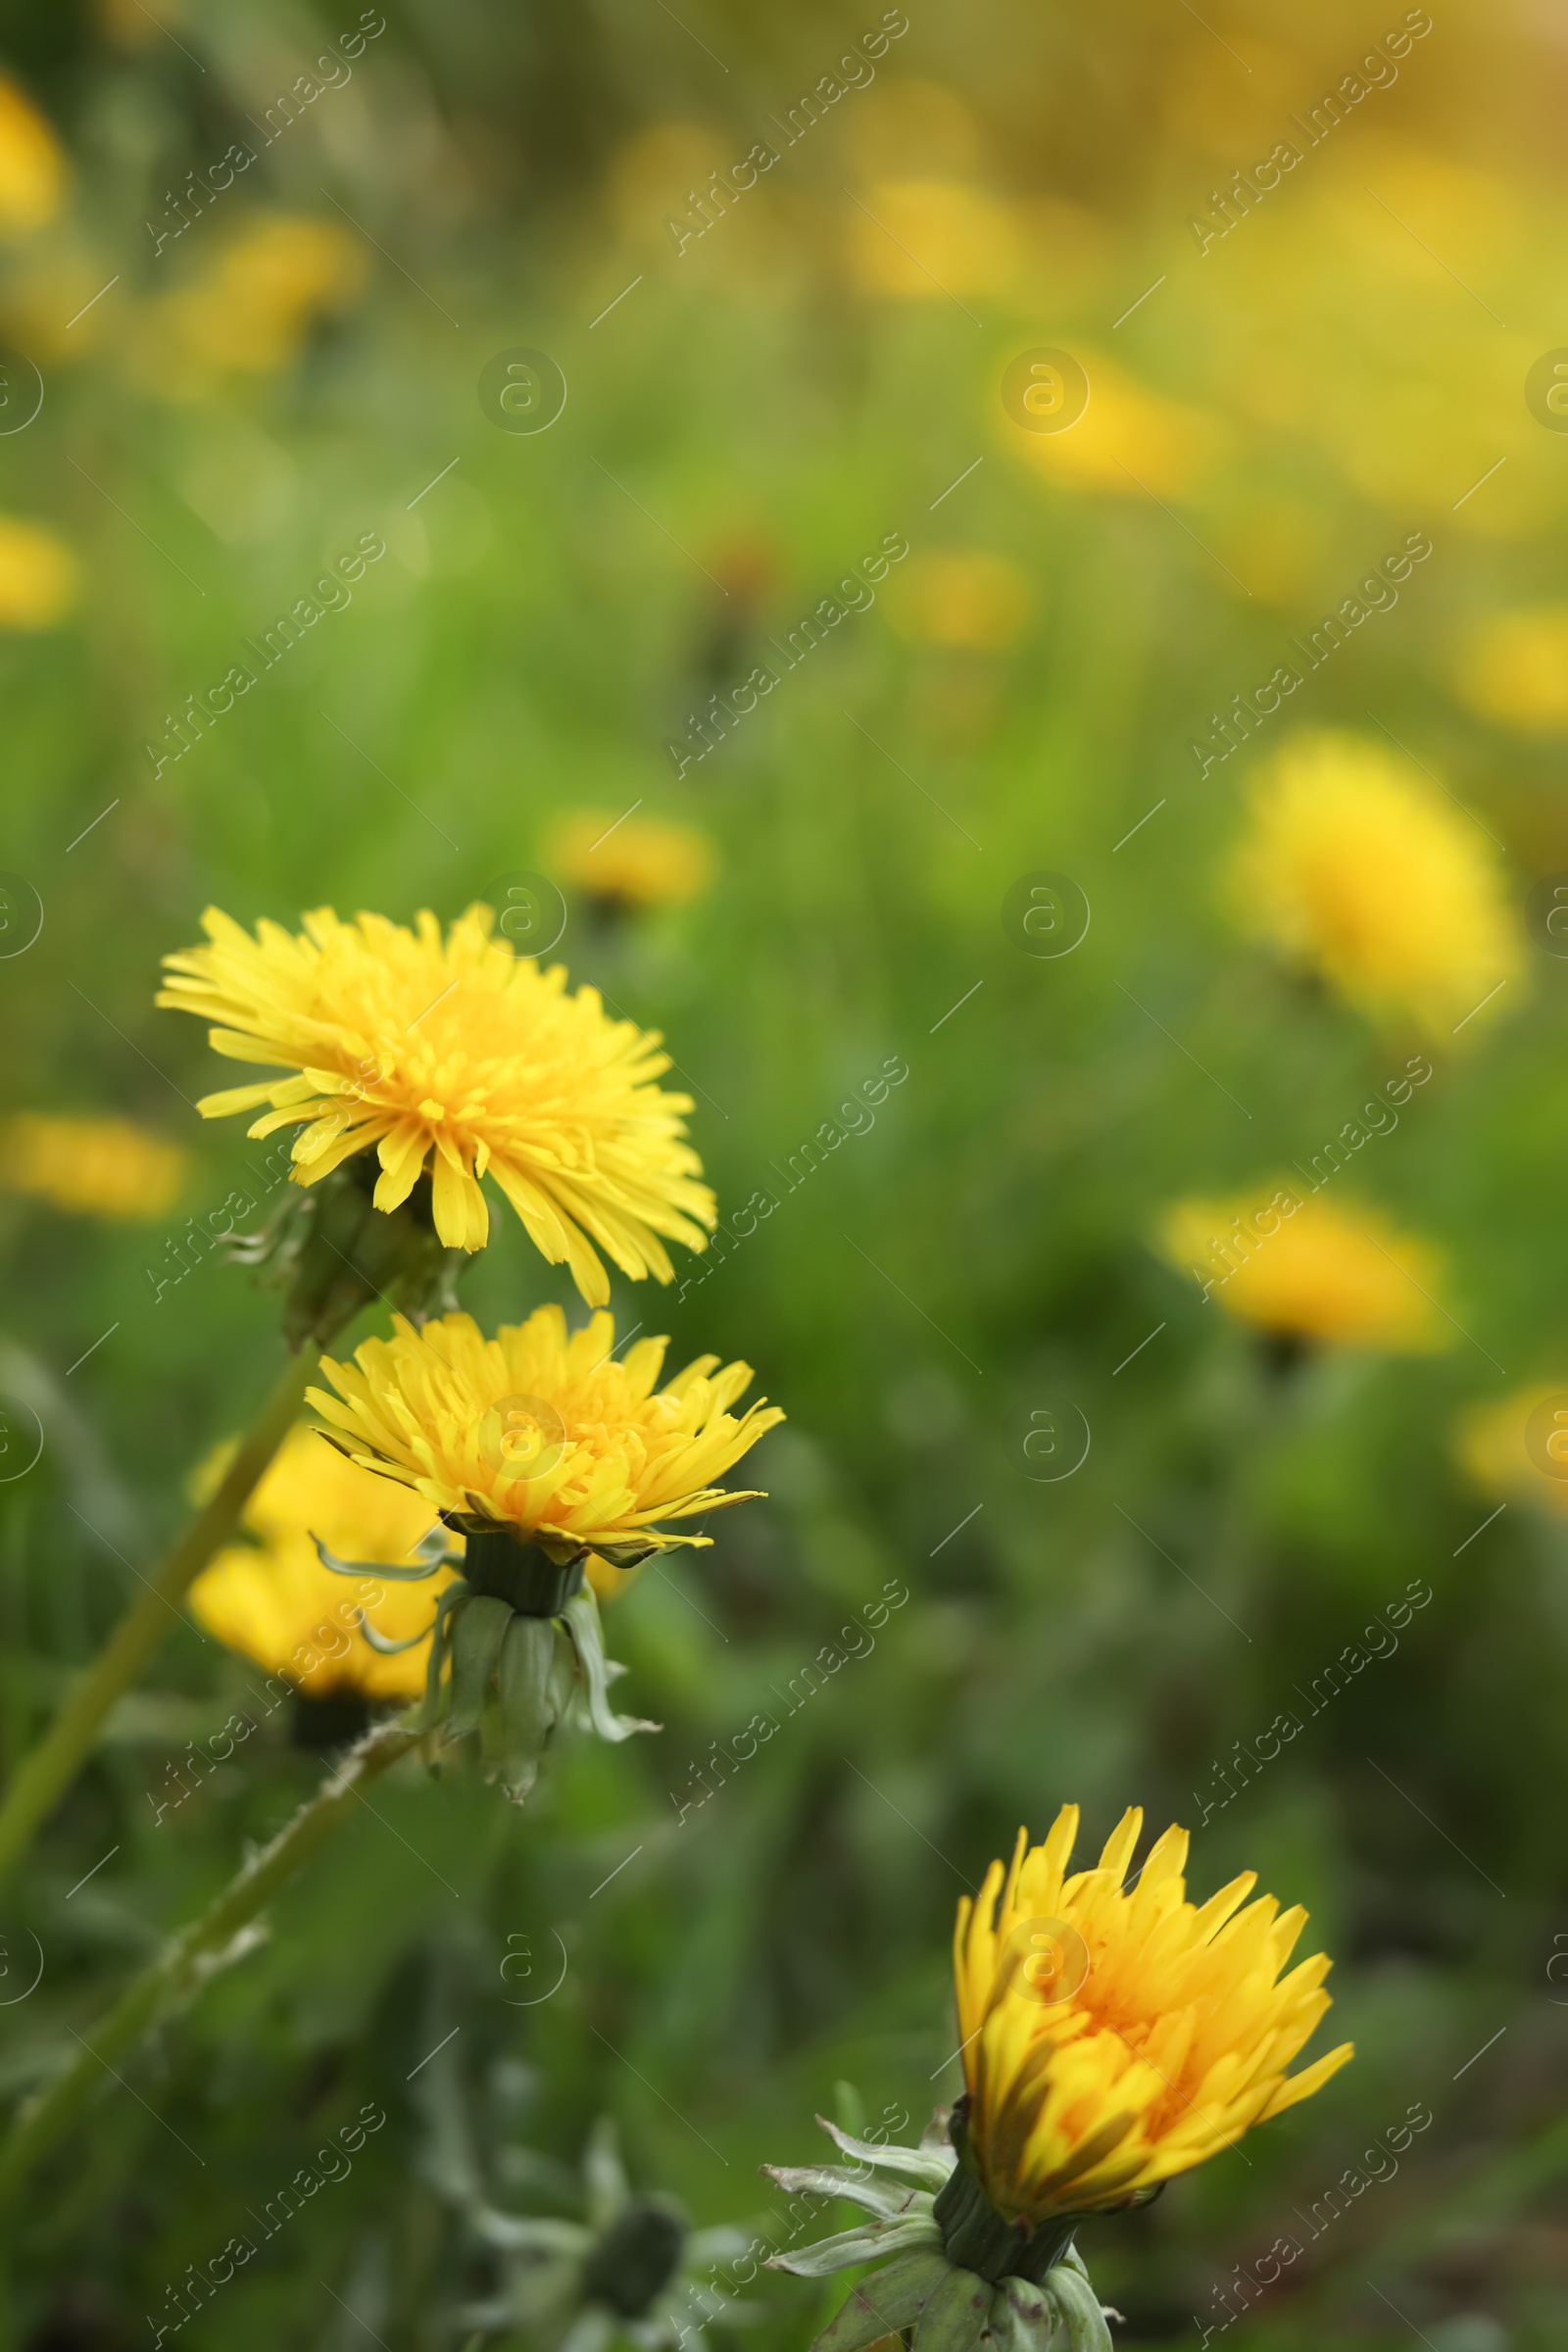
{"x":31,"y":164}
{"x":1515,"y":669}
{"x":251,"y":312}
{"x":1350,"y":864}
{"x":1129,"y":441}
{"x":275,"y":1601}
{"x":912,"y":233}
{"x":37,"y":575}
{"x":1114,"y":2038}
{"x":457,"y":1055}
{"x":548,"y":1435}
{"x":630,"y":864}
{"x":1310,"y":1268}
{"x":92,"y":1167}
{"x":966,"y":598}
{"x":1517,"y":1449}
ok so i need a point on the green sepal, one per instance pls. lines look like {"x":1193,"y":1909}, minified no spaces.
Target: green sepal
{"x":431,"y":1558}
{"x":478,"y":1629}
{"x":929,"y":2165}
{"x":889,"y":2200}
{"x":517,"y":1729}
{"x":918,"y":2232}
{"x":955,"y":2312}
{"x":581,"y":1615}
{"x":1023,"y":2315}
{"x":882,"y":2304}
{"x":1079,"y":2309}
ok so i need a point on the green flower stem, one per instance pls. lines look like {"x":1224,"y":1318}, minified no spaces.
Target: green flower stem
{"x":48,"y":1770}
{"x":196,"y":1953}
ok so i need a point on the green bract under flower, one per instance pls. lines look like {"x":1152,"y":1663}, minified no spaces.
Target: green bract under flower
{"x":924,"y":2216}
{"x":517,"y":1649}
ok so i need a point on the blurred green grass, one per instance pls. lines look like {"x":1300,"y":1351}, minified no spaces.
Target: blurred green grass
{"x":537,"y":632}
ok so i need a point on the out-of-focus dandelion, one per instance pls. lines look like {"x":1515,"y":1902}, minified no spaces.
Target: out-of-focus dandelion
{"x":924,"y":240}
{"x":1354,"y":868}
{"x":38,"y":577}
{"x":1514,"y":670}
{"x":90,"y":1167}
{"x":630,"y":2270}
{"x":964,"y":598}
{"x":33,"y":166}
{"x":1310,"y":1268}
{"x":1129,"y":441}
{"x":459,"y":1056}
{"x":1516,"y":1449}
{"x":629,"y":864}
{"x":1112,"y":2037}
{"x":251,"y":310}
{"x":273,"y":1599}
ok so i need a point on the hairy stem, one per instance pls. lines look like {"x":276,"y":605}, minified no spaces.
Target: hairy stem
{"x":196,"y":1953}
{"x":49,"y":1768}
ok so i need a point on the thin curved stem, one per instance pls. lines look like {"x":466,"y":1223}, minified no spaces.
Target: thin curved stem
{"x":48,"y":1769}
{"x":196,"y":1953}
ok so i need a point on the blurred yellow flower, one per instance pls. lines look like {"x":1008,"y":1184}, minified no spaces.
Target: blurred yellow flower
{"x":31,"y":164}
{"x":925,"y":239}
{"x":1517,"y":1449}
{"x":632,"y":864}
{"x":1355,"y":867}
{"x":37,"y":576}
{"x":91,"y":1167}
{"x":1515,"y":669}
{"x":275,"y":1601}
{"x":963,"y":598}
{"x":459,"y":1054}
{"x":1114,"y":2036}
{"x":548,"y":1435}
{"x":250,"y":314}
{"x":1129,"y":440}
{"x":1314,"y":1270}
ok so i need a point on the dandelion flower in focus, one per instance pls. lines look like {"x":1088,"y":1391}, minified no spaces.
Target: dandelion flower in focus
{"x":1317,"y":1270}
{"x":1170,"y":2036}
{"x":1112,"y":2037}
{"x":1514,"y":670}
{"x":549,"y":1437}
{"x":273,"y":1599}
{"x":967,"y":599}
{"x":90,"y":1167}
{"x":37,"y":576}
{"x":32,"y":165}
{"x":1352,"y":867}
{"x":455,"y":1054}
{"x":1516,"y":1449}
{"x":627,"y":863}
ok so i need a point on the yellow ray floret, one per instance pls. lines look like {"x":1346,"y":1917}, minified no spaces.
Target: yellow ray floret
{"x":456,"y":1055}
{"x":545,"y":1433}
{"x":1354,"y":866}
{"x":1174,"y":2043}
{"x":275,"y":1601}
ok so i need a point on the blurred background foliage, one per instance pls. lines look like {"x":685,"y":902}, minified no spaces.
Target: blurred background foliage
{"x":749,"y":412}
